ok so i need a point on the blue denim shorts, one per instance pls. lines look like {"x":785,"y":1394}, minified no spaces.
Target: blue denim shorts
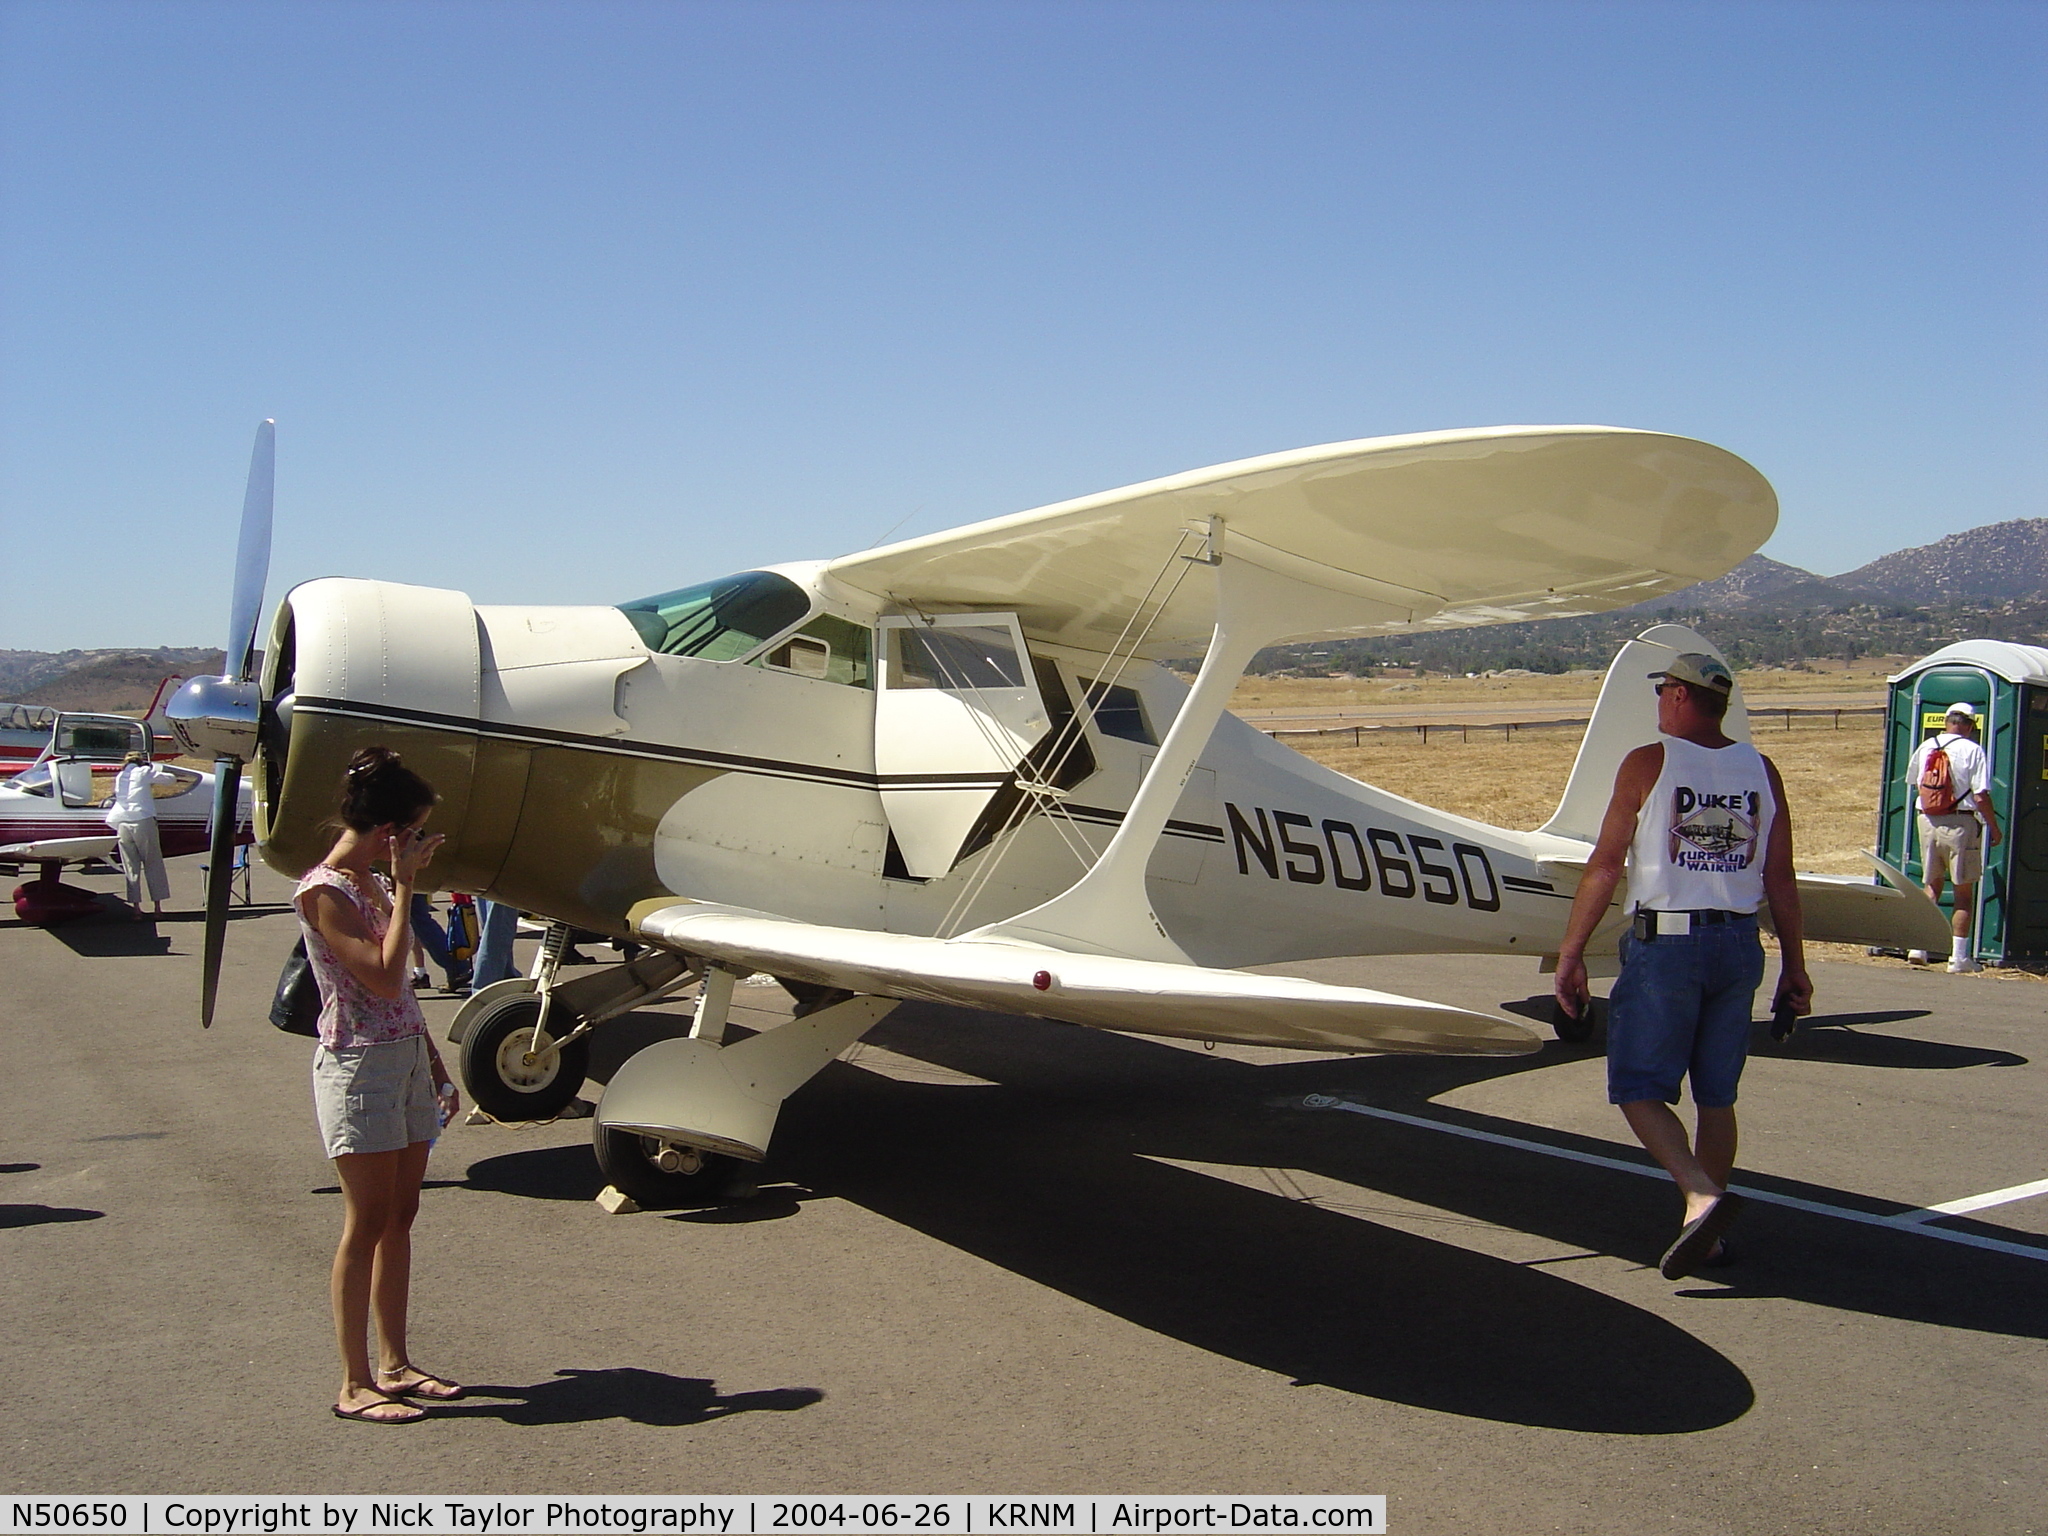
{"x":1682,"y":1006}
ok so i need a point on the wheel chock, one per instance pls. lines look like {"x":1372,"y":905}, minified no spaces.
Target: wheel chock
{"x":577,"y":1109}
{"x":615,"y":1203}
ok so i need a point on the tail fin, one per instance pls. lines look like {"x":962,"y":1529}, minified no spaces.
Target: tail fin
{"x":1626,"y":718}
{"x":161,"y":742}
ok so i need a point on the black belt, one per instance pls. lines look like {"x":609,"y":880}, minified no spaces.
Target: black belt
{"x":1645,"y":919}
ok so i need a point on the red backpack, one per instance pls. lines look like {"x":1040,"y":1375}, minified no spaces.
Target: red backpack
{"x":1937,"y":786}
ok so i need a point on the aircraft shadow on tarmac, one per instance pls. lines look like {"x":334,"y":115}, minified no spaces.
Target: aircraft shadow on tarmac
{"x":114,"y":932}
{"x":1056,"y":1173}
{"x":1834,"y":1038}
{"x":1840,"y":1044}
{"x":574,"y":1396}
{"x":39,"y":1215}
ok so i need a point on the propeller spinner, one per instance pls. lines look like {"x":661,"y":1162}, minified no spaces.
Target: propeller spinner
{"x":220,"y":716}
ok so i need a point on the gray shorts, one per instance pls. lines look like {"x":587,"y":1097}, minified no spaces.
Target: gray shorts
{"x":375,"y":1098}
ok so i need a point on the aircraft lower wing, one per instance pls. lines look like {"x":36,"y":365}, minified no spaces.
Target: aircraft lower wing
{"x":68,"y":850}
{"x":1107,"y":992}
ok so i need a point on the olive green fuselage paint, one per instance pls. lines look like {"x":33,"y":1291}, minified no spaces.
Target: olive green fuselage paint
{"x":565,"y":831}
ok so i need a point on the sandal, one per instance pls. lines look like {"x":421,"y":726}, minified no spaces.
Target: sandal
{"x":435,"y":1389}
{"x":367,"y":1414}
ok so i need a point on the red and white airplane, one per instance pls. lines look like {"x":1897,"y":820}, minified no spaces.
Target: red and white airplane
{"x":53,"y":812}
{"x":28,"y":731}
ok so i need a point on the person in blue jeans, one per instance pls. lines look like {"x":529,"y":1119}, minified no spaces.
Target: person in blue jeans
{"x":428,"y":935}
{"x":1699,"y":824}
{"x":498,"y":926}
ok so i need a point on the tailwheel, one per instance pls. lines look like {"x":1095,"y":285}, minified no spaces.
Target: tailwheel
{"x":662,"y":1175}
{"x":506,"y":1078}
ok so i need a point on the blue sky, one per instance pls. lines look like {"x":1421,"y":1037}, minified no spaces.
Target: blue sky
{"x":576,"y":302}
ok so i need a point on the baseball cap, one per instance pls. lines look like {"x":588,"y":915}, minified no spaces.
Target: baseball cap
{"x":1960,"y":708}
{"x":1699,"y":670}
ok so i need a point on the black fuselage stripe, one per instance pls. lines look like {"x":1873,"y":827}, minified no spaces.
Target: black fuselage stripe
{"x":538,"y":735}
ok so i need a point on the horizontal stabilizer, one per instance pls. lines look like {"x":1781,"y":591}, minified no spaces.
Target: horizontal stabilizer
{"x":1849,"y":909}
{"x":1836,"y":909}
{"x":1142,"y":996}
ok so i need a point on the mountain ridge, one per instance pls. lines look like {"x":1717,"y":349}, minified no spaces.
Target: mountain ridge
{"x":1989,"y":582}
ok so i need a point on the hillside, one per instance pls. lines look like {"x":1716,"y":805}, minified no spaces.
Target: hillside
{"x":1998,"y":562}
{"x":105,"y":680}
{"x":1757,"y":577}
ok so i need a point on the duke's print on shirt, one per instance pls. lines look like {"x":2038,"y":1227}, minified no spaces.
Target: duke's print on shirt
{"x":1713,"y":833}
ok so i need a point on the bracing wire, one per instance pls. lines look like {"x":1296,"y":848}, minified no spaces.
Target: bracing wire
{"x":1041,"y":793}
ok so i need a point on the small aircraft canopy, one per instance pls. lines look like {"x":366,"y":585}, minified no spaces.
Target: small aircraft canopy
{"x":105,"y":737}
{"x":719,"y":620}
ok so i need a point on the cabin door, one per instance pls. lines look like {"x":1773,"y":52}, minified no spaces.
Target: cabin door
{"x":957,"y":710}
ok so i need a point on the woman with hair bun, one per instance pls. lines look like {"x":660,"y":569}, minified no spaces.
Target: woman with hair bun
{"x":379,"y":1088}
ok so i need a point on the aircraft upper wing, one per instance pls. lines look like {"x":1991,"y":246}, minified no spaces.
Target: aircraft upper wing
{"x":1143,"y":996}
{"x":1489,"y":525}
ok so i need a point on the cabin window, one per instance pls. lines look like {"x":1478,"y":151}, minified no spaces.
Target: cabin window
{"x":954,"y":657}
{"x":719,"y":620}
{"x":1118,"y":712}
{"x":827,"y":648}
{"x":99,"y":739}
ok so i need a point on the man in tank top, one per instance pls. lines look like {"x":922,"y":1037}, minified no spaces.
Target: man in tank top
{"x":1699,"y":823}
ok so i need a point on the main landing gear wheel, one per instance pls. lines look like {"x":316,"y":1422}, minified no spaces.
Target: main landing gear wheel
{"x":662,"y":1175}
{"x":505,"y":1078}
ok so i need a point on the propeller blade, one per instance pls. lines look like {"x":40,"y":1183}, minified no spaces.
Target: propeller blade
{"x":220,"y":874}
{"x":252,"y":554}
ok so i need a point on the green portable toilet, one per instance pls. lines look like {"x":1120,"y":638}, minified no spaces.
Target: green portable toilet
{"x":2009,"y":686}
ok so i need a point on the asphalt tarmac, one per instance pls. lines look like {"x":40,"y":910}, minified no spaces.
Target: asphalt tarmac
{"x":993,"y":1255}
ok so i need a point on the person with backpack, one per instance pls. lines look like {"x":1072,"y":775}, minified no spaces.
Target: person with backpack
{"x":1951,"y":783}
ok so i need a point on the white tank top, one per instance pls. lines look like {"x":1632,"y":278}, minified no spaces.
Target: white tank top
{"x":1702,"y":831}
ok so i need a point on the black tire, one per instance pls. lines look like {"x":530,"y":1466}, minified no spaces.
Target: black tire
{"x":632,"y":1165}
{"x":1572,"y":1031}
{"x":500,"y":1082}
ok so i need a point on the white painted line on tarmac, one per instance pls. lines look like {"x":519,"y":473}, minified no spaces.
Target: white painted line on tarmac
{"x":1970,"y":1203}
{"x":1768,"y":1197}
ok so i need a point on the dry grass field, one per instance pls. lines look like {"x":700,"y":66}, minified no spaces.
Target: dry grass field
{"x":1269,"y":693}
{"x":1831,"y":777}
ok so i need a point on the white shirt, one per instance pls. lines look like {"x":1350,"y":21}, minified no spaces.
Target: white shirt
{"x":1968,"y":770}
{"x":134,"y":800}
{"x":1702,"y":831}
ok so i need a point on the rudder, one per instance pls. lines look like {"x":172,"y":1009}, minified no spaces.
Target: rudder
{"x":1624,"y":718}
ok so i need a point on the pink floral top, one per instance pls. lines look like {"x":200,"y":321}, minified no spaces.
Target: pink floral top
{"x":350,"y":1013}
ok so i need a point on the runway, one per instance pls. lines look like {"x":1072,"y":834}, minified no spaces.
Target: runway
{"x":995,"y":1255}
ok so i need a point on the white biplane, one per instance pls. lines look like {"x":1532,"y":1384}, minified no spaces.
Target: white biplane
{"x":956,"y":769}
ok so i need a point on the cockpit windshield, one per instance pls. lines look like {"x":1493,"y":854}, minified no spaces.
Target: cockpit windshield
{"x":720,"y":620}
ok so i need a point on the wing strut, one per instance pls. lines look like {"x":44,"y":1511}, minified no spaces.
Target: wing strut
{"x":1107,"y":911}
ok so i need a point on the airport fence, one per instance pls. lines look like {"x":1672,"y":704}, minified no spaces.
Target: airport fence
{"x":1359,"y":731}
